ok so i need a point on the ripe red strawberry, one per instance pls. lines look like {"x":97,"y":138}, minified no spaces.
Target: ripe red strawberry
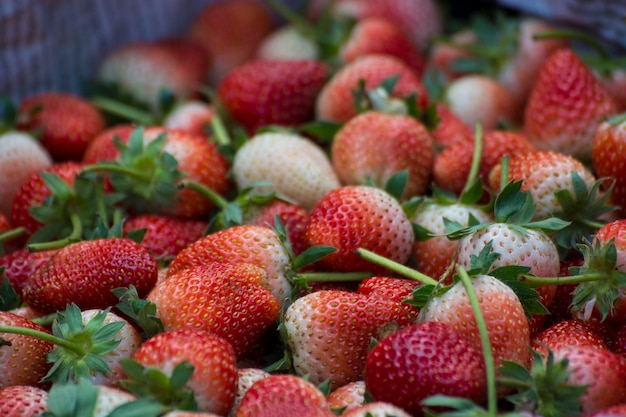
{"x":480,"y":99}
{"x":506,"y":322}
{"x":436,"y":253}
{"x":353,"y":217}
{"x":608,"y":159}
{"x":329,"y":331}
{"x":566,"y":333}
{"x":348,"y":396}
{"x":602,"y":371}
{"x":377,"y":35}
{"x":144,"y":69}
{"x":230,"y":32}
{"x":191,"y":116}
{"x":292,"y":216}
{"x":85,"y":272}
{"x":279,"y":92}
{"x":23,"y":401}
{"x":23,"y":359}
{"x":231,"y":300}
{"x":418,"y":19}
{"x":246,"y":377}
{"x":148,"y":176}
{"x":296,"y":167}
{"x":373,"y":146}
{"x":34,"y":191}
{"x":258,"y":245}
{"x":165,"y":236}
{"x":21,"y":264}
{"x":20,"y":156}
{"x":442,"y":361}
{"x":214,"y":378}
{"x":102,"y":147}
{"x":336,"y":103}
{"x":565,"y":106}
{"x":392,"y":289}
{"x":283,"y":396}
{"x":452,"y":165}
{"x":66,"y":122}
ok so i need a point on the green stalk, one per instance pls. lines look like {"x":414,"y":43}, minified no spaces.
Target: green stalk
{"x":112,"y":167}
{"x":206,"y":192}
{"x":124,"y":110}
{"x":38,"y":334}
{"x":476,"y":158}
{"x":75,"y":236}
{"x":333,"y":276}
{"x":220,"y":134}
{"x":395,"y":267}
{"x":12,"y":234}
{"x":573,"y":279}
{"x":492,"y":394}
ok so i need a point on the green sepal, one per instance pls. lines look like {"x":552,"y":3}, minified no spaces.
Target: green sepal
{"x":323,"y":131}
{"x":284,"y":363}
{"x":72,"y":399}
{"x":9,"y":299}
{"x":142,"y":407}
{"x":312,"y":255}
{"x":396,"y":184}
{"x":142,"y":312}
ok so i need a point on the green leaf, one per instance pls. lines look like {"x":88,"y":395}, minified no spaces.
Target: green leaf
{"x":142,"y":407}
{"x":9,"y":299}
{"x":142,"y":312}
{"x":72,"y":399}
{"x":513,"y":205}
{"x":312,"y":255}
{"x":323,"y":130}
{"x":397,"y":183}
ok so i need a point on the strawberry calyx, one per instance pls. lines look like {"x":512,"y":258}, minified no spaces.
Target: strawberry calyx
{"x":78,"y":347}
{"x":542,"y":389}
{"x":9,"y":299}
{"x":141,"y":312}
{"x":8,"y":115}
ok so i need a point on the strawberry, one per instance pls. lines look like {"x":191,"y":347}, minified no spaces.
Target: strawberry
{"x":20,"y":156}
{"x":377,"y":35}
{"x":373,"y":146}
{"x":278,"y":92}
{"x":347,"y":396}
{"x":258,"y":245}
{"x":144,"y":70}
{"x":565,"y":106}
{"x":150,"y":166}
{"x":66,"y":122}
{"x":230,"y":32}
{"x":20,"y":264}
{"x":23,"y":401}
{"x":376,"y":409}
{"x":329,"y":331}
{"x":352,"y":217}
{"x":453,"y":164}
{"x":602,"y":371}
{"x":444,"y":56}
{"x":608,"y":160}
{"x":102,"y":147}
{"x":236,"y":303}
{"x":165,"y":236}
{"x":85,"y":273}
{"x":191,"y":116}
{"x":616,"y":410}
{"x":442,"y":361}
{"x":335,"y":101}
{"x":392,"y":289}
{"x":34,"y":191}
{"x":246,"y":377}
{"x":297,"y":168}
{"x":283,"y":396}
{"x":480,"y":99}
{"x":214,"y":377}
{"x":23,"y":358}
{"x":450,"y":128}
{"x":419,"y":20}
{"x":504,"y":316}
{"x":566,"y":333}
{"x":287,"y":42}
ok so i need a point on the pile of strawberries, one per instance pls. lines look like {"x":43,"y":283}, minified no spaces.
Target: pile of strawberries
{"x":358,"y":211}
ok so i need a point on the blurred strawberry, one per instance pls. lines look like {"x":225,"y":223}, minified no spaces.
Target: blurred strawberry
{"x":609,"y":160}
{"x":23,"y":401}
{"x":260,"y":93}
{"x":230,"y":32}
{"x":64,"y":122}
{"x":191,"y":116}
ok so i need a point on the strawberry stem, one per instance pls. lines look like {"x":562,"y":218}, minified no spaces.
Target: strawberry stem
{"x":124,"y":110}
{"x":490,"y":370}
{"x":573,"y":279}
{"x":75,"y":236}
{"x":476,"y":158}
{"x":220,"y":134}
{"x":395,"y":267}
{"x":333,"y":276}
{"x":38,"y":334}
{"x":113,"y":167}
{"x":206,"y":192}
{"x":12,"y":234}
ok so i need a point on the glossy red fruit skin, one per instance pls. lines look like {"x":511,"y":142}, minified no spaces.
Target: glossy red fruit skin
{"x":352,"y":217}
{"x":67,"y":123}
{"x":609,"y":159}
{"x":273,"y":92}
{"x":21,"y":264}
{"x":85,"y":272}
{"x":567,"y":333}
{"x":214,"y":379}
{"x":24,"y":362}
{"x":422,"y":360}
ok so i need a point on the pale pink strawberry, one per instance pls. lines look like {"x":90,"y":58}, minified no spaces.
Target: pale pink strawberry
{"x":376,"y":409}
{"x":192,"y":116}
{"x":296,"y":167}
{"x":23,"y":401}
{"x":287,"y":42}
{"x":246,"y":377}
{"x":348,"y":396}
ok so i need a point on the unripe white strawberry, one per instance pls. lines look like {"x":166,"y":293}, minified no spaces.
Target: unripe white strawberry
{"x":296,"y":167}
{"x":287,"y":42}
